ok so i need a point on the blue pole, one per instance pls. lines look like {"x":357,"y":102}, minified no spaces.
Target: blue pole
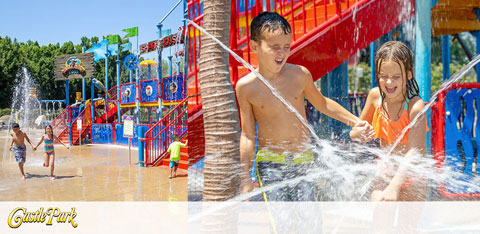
{"x":83,"y":81}
{"x":446,"y":56}
{"x":137,"y":96}
{"x":106,"y":82}
{"x":69,"y":117}
{"x":149,"y":71}
{"x":131,"y":76}
{"x":92,"y":96}
{"x":185,"y":48}
{"x":106,"y":70}
{"x":119,"y":120}
{"x":477,"y":50}
{"x":159,"y":71}
{"x":170,"y":66}
{"x":373,"y":80}
{"x":141,"y":146}
{"x":423,"y":48}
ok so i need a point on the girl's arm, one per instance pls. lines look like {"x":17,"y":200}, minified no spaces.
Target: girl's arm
{"x":415,"y":149}
{"x":56,"y":138}
{"x":40,"y":142}
{"x":367,"y":115}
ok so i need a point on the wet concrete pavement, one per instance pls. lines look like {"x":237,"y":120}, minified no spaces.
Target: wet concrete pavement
{"x":86,"y":173}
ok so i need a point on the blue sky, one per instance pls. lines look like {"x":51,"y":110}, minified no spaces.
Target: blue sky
{"x":52,"y":21}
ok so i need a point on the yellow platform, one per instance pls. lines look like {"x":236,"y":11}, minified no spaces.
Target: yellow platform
{"x":454,"y":16}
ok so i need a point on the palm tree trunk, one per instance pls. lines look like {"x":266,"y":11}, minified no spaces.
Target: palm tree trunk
{"x":220,"y":113}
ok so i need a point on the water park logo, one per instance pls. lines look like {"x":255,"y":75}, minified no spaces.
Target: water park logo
{"x":20,"y":215}
{"x":73,"y":66}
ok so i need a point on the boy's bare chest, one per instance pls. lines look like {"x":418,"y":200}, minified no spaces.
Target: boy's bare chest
{"x":264,"y":100}
{"x":18,"y":136}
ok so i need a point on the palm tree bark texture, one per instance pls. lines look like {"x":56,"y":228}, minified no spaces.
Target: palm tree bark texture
{"x":220,"y":113}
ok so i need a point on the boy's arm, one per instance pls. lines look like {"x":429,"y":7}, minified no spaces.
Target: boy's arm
{"x":28,"y":140}
{"x":416,"y":147}
{"x":13,"y":141}
{"x":326,"y":105}
{"x":247,"y":138}
{"x":366,"y":115}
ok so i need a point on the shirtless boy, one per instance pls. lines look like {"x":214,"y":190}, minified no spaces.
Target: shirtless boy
{"x":18,"y":146}
{"x":284,"y":142}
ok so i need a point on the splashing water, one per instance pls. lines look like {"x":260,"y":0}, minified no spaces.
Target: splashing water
{"x":352,"y":182}
{"x":24,"y":108}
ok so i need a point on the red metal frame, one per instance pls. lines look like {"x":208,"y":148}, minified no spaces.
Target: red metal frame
{"x":438,"y":136}
{"x":155,"y":152}
{"x":86,"y":118}
{"x":58,"y":120}
{"x":330,"y":37}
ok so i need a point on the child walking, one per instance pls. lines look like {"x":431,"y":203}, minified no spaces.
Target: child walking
{"x":174,"y":150}
{"x":389,"y":109}
{"x":48,"y":139}
{"x":18,"y":146}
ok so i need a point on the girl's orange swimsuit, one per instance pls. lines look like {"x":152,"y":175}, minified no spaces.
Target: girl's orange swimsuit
{"x":389,"y":131}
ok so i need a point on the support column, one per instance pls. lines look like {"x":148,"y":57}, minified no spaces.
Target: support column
{"x":83,"y":81}
{"x":477,"y":52}
{"x":446,"y":56}
{"x":159,"y":75}
{"x":69,"y":114}
{"x":423,"y":49}
{"x":119,"y":120}
{"x":373,"y":79}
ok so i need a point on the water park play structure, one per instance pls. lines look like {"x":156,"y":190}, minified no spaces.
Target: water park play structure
{"x":329,"y":32}
{"x":99,"y":120}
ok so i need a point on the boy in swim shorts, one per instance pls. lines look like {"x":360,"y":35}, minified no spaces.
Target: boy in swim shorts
{"x":18,"y":146}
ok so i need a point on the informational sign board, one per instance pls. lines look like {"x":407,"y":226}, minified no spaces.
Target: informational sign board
{"x":74,"y":66}
{"x":128,"y":126}
{"x":79,"y":124}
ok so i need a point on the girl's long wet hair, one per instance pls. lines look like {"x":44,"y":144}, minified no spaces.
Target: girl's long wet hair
{"x":49,"y":126}
{"x":397,"y":52}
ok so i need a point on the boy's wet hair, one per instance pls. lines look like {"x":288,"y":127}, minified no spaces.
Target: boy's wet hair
{"x":15,"y":125}
{"x":399,"y":53}
{"x":268,"y":21}
{"x":175,"y":137}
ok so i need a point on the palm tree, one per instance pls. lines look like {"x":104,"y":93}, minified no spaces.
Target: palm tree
{"x":220,"y":113}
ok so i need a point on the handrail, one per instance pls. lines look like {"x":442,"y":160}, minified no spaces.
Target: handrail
{"x":155,"y":146}
{"x":81,"y":115}
{"x":166,"y":116}
{"x":66,"y":108}
{"x":168,"y":125}
{"x":163,"y":153}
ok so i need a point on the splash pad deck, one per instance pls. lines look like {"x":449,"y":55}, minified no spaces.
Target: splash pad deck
{"x":86,"y":173}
